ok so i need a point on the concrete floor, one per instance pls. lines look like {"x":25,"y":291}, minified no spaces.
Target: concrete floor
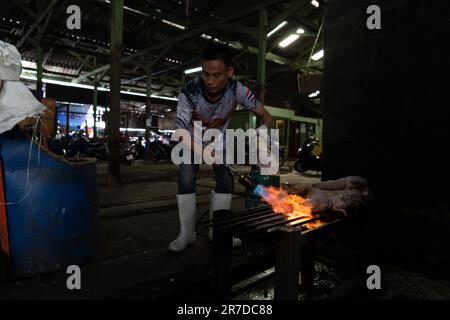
{"x":143,"y":214}
{"x":138,"y":221}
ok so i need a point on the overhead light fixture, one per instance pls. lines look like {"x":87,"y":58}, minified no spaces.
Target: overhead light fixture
{"x":132,"y":129}
{"x":274,"y":59}
{"x":235,"y":45}
{"x":28,"y":64}
{"x":315,"y":3}
{"x":288,"y":40}
{"x":192,"y":70}
{"x":130,"y":9}
{"x":206,"y":36}
{"x":314,"y":94}
{"x":220,"y":41}
{"x":173,"y":24}
{"x":318,"y":55}
{"x":63,"y":83}
{"x":90,"y":87}
{"x":278,"y":27}
{"x":300,"y":31}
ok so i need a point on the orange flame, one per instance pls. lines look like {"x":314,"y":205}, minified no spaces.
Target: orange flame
{"x":292,"y":206}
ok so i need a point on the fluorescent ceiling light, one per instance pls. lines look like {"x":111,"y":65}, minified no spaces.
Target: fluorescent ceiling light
{"x":278,"y":27}
{"x":163,"y":97}
{"x":192,"y":70}
{"x":140,"y":94}
{"x":235,"y":45}
{"x":219,"y":41}
{"x":288,"y":40}
{"x":300,"y":31}
{"x":173,"y":24}
{"x":314,"y":94}
{"x":206,"y":36}
{"x":318,"y":55}
{"x":28,"y":64}
{"x":64,"y":83}
{"x":129,"y":9}
{"x":90,"y":87}
{"x":132,"y":129}
{"x":315,"y":3}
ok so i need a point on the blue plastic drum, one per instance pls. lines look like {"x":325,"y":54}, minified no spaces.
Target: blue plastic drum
{"x":53,"y":218}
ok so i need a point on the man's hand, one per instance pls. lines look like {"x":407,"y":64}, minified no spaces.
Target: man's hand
{"x":216,"y":123}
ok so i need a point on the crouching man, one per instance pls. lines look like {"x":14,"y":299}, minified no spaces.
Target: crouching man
{"x":211,"y":99}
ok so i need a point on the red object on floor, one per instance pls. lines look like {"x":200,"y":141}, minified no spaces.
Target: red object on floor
{"x":4,"y":237}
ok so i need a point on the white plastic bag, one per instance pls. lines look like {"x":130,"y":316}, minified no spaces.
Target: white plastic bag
{"x":16,"y":103}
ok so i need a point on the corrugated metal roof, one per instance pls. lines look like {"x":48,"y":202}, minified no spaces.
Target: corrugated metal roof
{"x":146,"y":23}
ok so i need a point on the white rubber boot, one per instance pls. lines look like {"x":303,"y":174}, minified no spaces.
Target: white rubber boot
{"x":221,"y":201}
{"x":186,"y":215}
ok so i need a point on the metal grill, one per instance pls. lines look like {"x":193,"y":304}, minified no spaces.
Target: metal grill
{"x":295,"y":245}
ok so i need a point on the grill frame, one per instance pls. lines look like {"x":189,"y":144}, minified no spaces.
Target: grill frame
{"x":295,"y":249}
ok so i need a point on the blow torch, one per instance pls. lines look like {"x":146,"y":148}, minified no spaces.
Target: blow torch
{"x":247,"y":181}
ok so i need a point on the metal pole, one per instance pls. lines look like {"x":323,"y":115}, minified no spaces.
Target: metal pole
{"x":67,"y":120}
{"x":287,"y":266}
{"x":95,"y":100}
{"x":127,"y":119}
{"x":148,"y":115}
{"x":262,"y":50}
{"x":114,"y":114}
{"x":39,"y":93}
{"x":222,"y":260}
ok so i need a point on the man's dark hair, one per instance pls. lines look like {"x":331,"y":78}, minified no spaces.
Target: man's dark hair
{"x":217,"y":52}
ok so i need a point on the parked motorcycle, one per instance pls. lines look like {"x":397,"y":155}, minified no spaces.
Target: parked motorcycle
{"x":74,"y":147}
{"x":127,"y":153}
{"x":161,"y":151}
{"x":70,"y":146}
{"x":98,"y":150}
{"x":138,"y":146}
{"x":309,"y":156}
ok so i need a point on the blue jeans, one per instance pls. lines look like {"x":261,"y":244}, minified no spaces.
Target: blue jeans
{"x":187,"y":177}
